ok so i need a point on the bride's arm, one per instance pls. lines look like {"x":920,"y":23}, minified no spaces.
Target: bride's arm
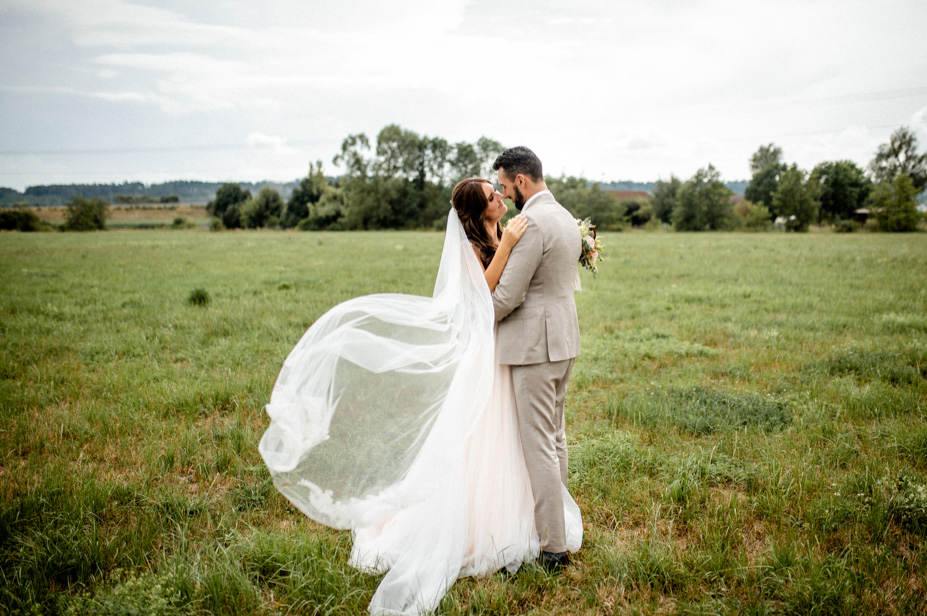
{"x":510,"y":236}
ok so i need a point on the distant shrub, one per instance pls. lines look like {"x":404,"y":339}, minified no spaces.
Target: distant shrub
{"x":704,"y":203}
{"x":846,"y":226}
{"x":216,"y":225}
{"x":655,"y":224}
{"x":19,"y":220}
{"x":198,"y":297}
{"x":795,"y":200}
{"x":231,"y":219}
{"x":86,"y":214}
{"x":135,"y":199}
{"x":181,"y":222}
{"x":316,"y":223}
{"x":895,"y":205}
{"x":227,"y":204}
{"x":753,"y":217}
{"x":638,"y":210}
{"x":262,"y":211}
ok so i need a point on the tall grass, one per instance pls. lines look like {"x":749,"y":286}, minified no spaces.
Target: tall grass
{"x":747,"y":425}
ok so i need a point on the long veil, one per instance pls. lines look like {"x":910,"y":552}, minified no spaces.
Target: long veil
{"x":377,"y":384}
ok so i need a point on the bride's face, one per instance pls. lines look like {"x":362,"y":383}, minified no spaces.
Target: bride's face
{"x":495,"y":208}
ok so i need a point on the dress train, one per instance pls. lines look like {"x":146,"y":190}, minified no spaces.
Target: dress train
{"x":391,"y":418}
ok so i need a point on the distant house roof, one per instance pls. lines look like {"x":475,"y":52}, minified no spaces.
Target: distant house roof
{"x":625,"y":195}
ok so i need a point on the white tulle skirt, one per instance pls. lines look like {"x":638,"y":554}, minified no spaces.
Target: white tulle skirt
{"x":481,"y":519}
{"x":390,"y":417}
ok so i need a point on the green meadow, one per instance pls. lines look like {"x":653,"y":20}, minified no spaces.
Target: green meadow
{"x":747,"y":424}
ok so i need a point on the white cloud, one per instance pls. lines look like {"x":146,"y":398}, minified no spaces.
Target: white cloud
{"x":273,"y":142}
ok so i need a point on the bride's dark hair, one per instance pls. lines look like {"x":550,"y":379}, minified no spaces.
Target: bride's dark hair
{"x":470,"y":202}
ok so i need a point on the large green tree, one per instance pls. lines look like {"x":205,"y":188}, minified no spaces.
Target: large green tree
{"x":900,"y":155}
{"x":664,"y":198}
{"x":353,"y":156}
{"x":309,"y":192}
{"x":327,"y":213}
{"x":227,"y":204}
{"x":465,"y":161}
{"x":842,"y":189}
{"x":765,"y":156}
{"x":704,"y":203}
{"x":86,"y":214}
{"x":488,"y":149}
{"x":894,"y":204}
{"x":438,"y":154}
{"x":796,"y":200}
{"x":404,"y":182}
{"x":766,"y":167}
{"x":400,"y":153}
{"x":401,"y":167}
{"x":764,"y":184}
{"x":262,"y":211}
{"x":380,"y":203}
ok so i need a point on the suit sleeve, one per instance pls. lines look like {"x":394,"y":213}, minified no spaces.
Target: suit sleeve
{"x":520,"y":268}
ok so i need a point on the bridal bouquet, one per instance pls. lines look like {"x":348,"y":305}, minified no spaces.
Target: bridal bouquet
{"x":592,"y":246}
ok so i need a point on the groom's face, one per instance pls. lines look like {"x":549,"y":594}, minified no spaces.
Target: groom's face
{"x":510,"y":189}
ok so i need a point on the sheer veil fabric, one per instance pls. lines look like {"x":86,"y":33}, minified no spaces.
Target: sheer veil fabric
{"x":391,"y":418}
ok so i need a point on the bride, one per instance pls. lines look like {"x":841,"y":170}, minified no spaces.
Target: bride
{"x":392,"y":418}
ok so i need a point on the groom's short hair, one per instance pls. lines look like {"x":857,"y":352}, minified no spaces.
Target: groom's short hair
{"x":519,"y":160}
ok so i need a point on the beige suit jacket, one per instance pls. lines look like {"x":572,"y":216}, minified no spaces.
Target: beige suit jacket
{"x":534,"y":301}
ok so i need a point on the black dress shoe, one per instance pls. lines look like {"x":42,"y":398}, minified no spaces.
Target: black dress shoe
{"x":553,"y":562}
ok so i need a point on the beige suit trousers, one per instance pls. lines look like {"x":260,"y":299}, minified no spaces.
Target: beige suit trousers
{"x":540,"y":390}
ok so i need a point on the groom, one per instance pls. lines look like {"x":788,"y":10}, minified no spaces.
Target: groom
{"x":539,"y":337}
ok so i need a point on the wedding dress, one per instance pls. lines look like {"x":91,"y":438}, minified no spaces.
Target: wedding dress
{"x":391,"y":418}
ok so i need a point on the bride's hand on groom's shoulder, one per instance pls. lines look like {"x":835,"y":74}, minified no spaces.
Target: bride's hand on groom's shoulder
{"x":513,"y":231}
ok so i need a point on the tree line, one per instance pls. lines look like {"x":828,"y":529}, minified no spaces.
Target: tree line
{"x":403,"y":180}
{"x":834,"y":192}
{"x":186,"y":191}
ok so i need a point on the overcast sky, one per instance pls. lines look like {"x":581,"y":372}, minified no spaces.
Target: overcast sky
{"x":155,"y":90}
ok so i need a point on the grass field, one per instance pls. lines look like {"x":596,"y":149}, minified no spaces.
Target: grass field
{"x":747,"y":425}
